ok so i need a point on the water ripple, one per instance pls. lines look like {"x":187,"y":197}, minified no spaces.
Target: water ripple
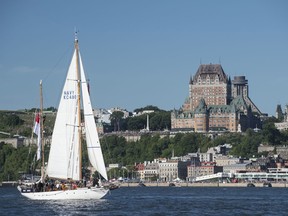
{"x":156,"y":201}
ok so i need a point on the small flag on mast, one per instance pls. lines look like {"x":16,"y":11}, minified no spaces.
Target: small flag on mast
{"x":37,"y":131}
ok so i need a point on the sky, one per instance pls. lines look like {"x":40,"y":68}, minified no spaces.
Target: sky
{"x":138,"y":53}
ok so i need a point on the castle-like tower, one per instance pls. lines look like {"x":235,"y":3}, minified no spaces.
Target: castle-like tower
{"x":211,"y":84}
{"x":216,"y":103}
{"x":283,"y":117}
{"x":240,"y":88}
{"x":279,"y":114}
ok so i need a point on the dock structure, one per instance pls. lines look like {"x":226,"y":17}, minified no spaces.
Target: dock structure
{"x":8,"y":183}
{"x":218,"y":175}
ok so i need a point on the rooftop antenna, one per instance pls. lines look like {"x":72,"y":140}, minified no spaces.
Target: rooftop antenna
{"x":200,"y":61}
{"x":76,"y":34}
{"x":219,"y":60}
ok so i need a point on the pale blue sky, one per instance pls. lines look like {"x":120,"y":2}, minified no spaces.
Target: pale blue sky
{"x":139,"y":53}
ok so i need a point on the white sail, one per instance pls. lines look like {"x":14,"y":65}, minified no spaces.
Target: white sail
{"x":92,"y":138}
{"x":63,"y":160}
{"x":65,"y":151}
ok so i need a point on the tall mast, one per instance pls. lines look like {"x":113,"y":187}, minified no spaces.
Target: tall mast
{"x":78,"y":104}
{"x":42,"y":131}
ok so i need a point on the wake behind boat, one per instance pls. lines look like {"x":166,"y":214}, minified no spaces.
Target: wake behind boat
{"x":65,"y":159}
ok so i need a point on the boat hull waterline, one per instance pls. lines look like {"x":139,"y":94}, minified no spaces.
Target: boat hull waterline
{"x":80,"y":193}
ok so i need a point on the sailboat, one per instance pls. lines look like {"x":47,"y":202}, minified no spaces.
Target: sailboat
{"x":65,"y":160}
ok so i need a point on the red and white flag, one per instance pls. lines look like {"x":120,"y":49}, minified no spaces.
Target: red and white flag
{"x":37,"y":131}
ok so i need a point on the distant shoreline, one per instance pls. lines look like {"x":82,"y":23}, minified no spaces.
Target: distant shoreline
{"x":214,"y":184}
{"x":182,"y":184}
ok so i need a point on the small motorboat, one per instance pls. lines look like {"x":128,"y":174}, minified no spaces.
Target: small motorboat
{"x":250,"y":185}
{"x":267,"y":184}
{"x":141,"y":184}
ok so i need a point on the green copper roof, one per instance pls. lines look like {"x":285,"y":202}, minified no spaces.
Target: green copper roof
{"x":201,"y":108}
{"x":239,"y":103}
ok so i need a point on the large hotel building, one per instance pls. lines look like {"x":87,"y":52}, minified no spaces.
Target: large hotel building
{"x":216,"y":103}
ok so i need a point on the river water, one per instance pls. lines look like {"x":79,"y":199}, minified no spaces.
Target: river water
{"x":157,"y":201}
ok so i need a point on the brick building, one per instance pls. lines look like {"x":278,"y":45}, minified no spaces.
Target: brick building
{"x":205,"y":168}
{"x":216,"y":103}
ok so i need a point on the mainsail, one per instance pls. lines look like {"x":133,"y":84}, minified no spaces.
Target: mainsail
{"x":63,"y":160}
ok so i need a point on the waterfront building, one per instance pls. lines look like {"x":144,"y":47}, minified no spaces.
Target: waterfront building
{"x":262,"y":176}
{"x":215,"y":103}
{"x":151,"y":170}
{"x":170,"y":170}
{"x":236,"y":168}
{"x":202,"y":169}
{"x":139,"y":171}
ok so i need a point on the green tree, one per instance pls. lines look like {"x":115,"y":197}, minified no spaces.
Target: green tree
{"x":271,"y":134}
{"x":113,"y":148}
{"x":10,"y":120}
{"x":149,"y":107}
{"x":136,"y":123}
{"x":248,"y":144}
{"x":116,"y":118}
{"x":160,"y":120}
{"x":13,"y":161}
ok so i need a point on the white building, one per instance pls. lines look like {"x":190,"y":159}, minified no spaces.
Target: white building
{"x":151,"y":170}
{"x":102,"y":115}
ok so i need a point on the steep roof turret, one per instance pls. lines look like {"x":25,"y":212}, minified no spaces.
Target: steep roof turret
{"x":201,"y":108}
{"x":212,"y":70}
{"x":191,"y":80}
{"x":239,"y":103}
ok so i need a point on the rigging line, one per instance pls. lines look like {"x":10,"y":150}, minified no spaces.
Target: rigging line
{"x":52,"y":70}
